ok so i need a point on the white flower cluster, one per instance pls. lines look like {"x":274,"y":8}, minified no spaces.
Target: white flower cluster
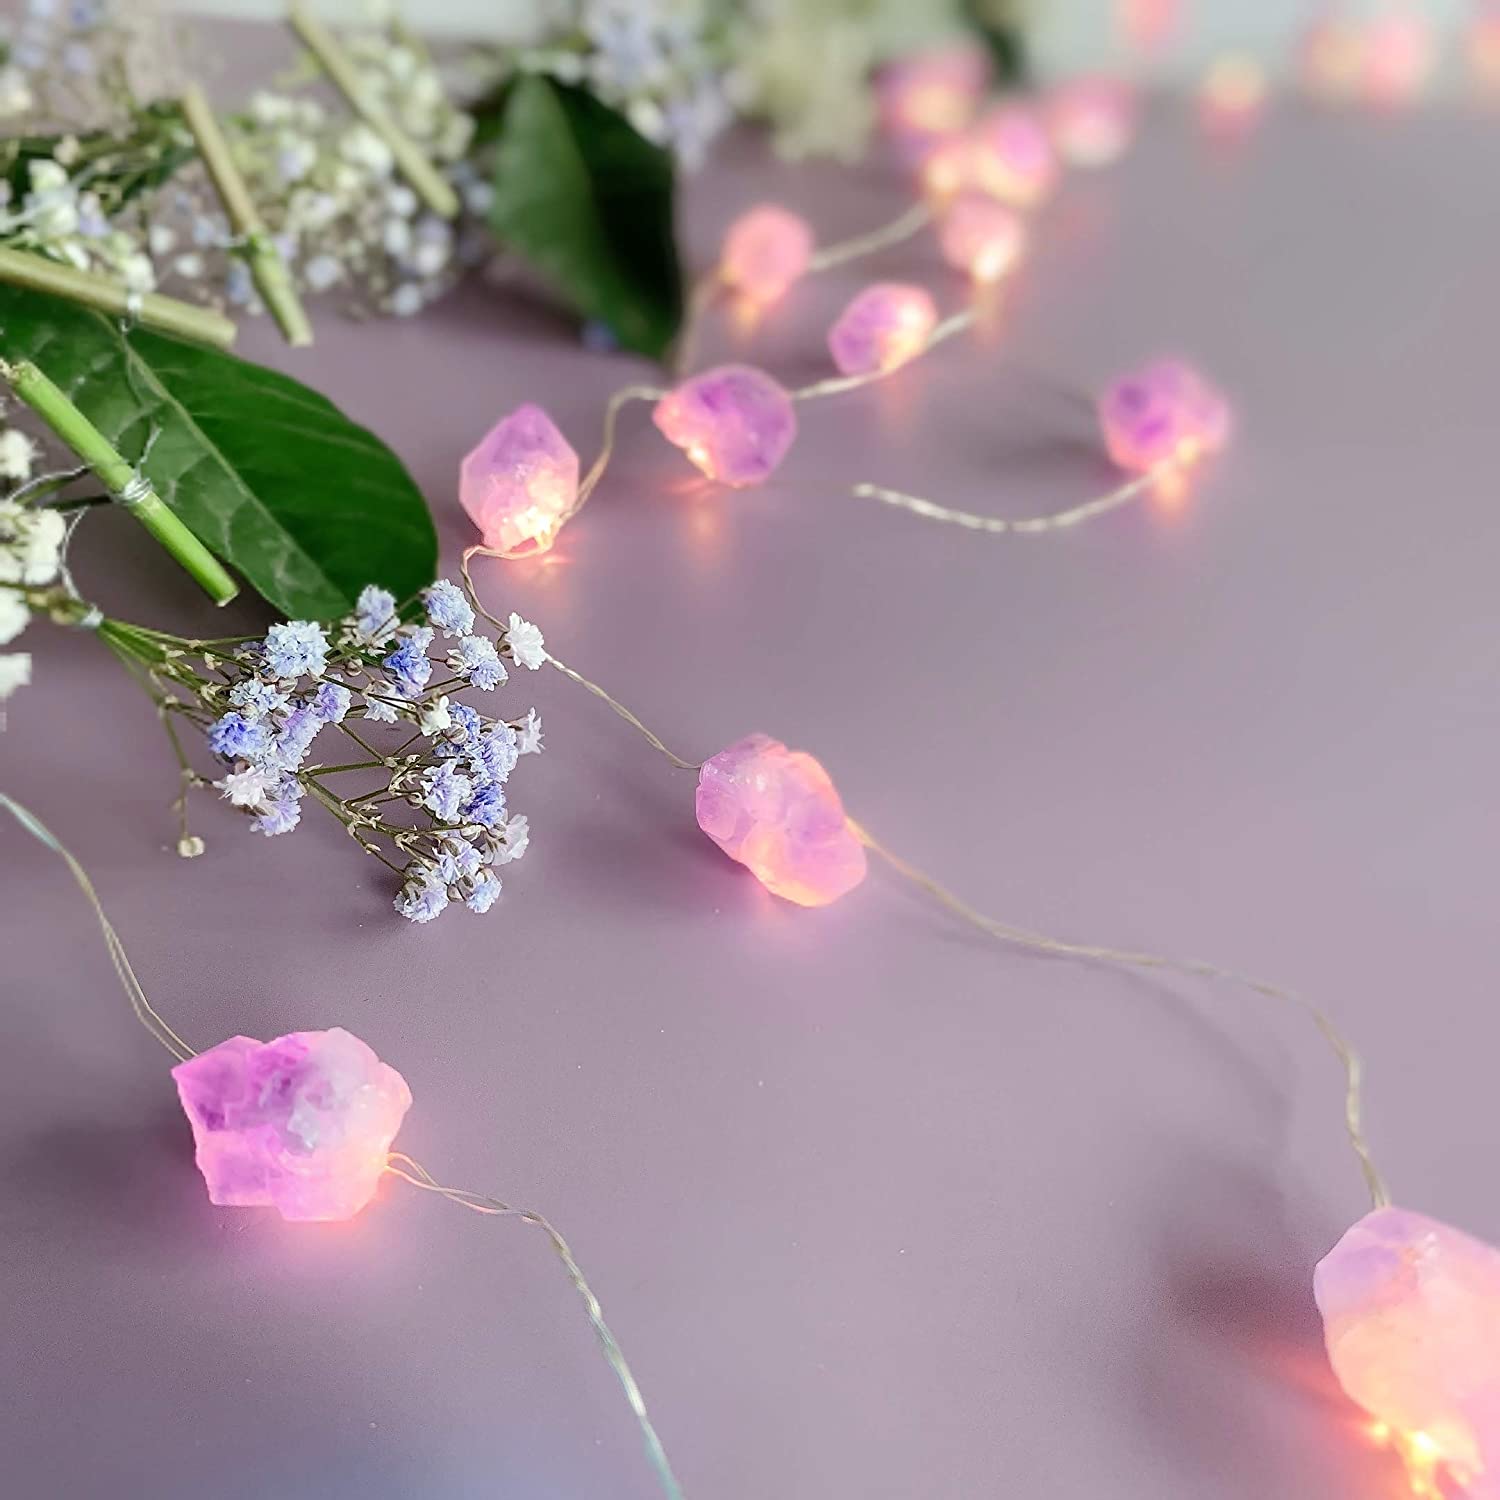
{"x":31,"y":542}
{"x":327,"y":185}
{"x":657,"y":61}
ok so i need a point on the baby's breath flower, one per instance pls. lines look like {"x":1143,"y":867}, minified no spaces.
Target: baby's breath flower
{"x":525,"y":642}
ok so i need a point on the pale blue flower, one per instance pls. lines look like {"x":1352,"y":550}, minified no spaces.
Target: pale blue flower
{"x":448,"y":609}
{"x":298,"y":648}
{"x":235,"y":737}
{"x":255,"y":699}
{"x":296,"y":736}
{"x":486,"y":807}
{"x":494,"y":757}
{"x":410,"y":662}
{"x":485,"y":894}
{"x":375,"y":619}
{"x":475,"y":657}
{"x":422,"y":898}
{"x":444,"y":790}
{"x":458,"y":859}
{"x":278,"y":814}
{"x":331,"y":702}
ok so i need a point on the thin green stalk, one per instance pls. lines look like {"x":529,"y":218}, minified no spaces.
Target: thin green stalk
{"x":266,"y":265}
{"x":165,"y":314}
{"x":128,"y":486}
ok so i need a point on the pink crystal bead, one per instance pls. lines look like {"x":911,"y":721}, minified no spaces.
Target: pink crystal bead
{"x":1233,"y":94}
{"x":1092,"y":120}
{"x":981,"y":237}
{"x":883,"y":327}
{"x":764,"y":252}
{"x":921,"y":98}
{"x":1330,"y":56}
{"x":1013,"y":157}
{"x":1400,"y":52}
{"x":1148,"y":25}
{"x":520,"y":483}
{"x":734,"y":422}
{"x":950,"y":166}
{"x":1164,"y":412}
{"x":1482,"y":50}
{"x":1411,"y":1317}
{"x":302,"y":1124}
{"x":777,"y":812}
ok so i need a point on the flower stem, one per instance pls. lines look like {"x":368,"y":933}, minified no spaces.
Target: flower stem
{"x":266,"y":264}
{"x":431,"y":186}
{"x":165,"y":314}
{"x":125,"y":483}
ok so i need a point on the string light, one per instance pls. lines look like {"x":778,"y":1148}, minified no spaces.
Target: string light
{"x":765,"y":251}
{"x":1092,"y":119}
{"x":519,"y":483}
{"x":921,"y":99}
{"x":1012,"y":157}
{"x":1330,"y":57}
{"x":882,"y":328}
{"x":982,"y":237}
{"x":1399,"y":55}
{"x":1233,"y":94}
{"x":735,"y":423}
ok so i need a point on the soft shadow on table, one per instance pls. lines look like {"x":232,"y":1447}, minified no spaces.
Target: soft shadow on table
{"x":1249,"y":1307}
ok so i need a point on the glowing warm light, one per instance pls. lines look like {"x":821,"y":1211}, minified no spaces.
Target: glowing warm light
{"x":520,"y":482}
{"x":778,"y":813}
{"x":981,"y":236}
{"x":1164,"y":414}
{"x":1482,"y":48}
{"x":1092,"y":120}
{"x":1233,"y":93}
{"x":302,"y":1124}
{"x":1012,"y":156}
{"x":949,"y":167}
{"x":765,"y":250}
{"x":932,"y":94}
{"x":1400,"y":52}
{"x":1148,"y":25}
{"x":882,"y":327}
{"x":1411,"y":1318}
{"x":1330,"y":57}
{"x":734,"y":423}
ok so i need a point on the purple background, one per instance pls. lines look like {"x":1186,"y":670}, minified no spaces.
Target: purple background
{"x":878,"y":1209}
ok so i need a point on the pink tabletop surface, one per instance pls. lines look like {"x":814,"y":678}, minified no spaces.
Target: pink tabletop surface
{"x":879,"y":1209}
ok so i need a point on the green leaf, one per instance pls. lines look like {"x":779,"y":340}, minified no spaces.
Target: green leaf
{"x":588,"y":202}
{"x":307,"y":506}
{"x":998,"y":24}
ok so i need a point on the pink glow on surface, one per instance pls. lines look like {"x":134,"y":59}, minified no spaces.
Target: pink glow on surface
{"x":1164,"y":412}
{"x":921,"y":98}
{"x":882,"y":328}
{"x":765,"y":251}
{"x":1092,"y":120}
{"x":301,"y":1124}
{"x":1411,"y":1318}
{"x":981,"y":236}
{"x":734,"y":423}
{"x":519,"y":482}
{"x":778,"y":813}
{"x":1013,"y":156}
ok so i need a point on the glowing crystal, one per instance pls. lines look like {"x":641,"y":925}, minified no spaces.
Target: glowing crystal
{"x":883,"y":327}
{"x":734,"y":422}
{"x":1092,"y":120}
{"x":1233,"y":94}
{"x":1148,"y":25}
{"x":981,"y":237}
{"x":1013,"y":158}
{"x":1330,"y":56}
{"x":1400,"y":53}
{"x":777,"y":812}
{"x":931,"y":94}
{"x":520,"y":482}
{"x":301,"y":1124}
{"x":764,"y":252}
{"x":1164,"y":412}
{"x":1411,"y":1316}
{"x":1482,"y":49}
{"x":950,"y":165}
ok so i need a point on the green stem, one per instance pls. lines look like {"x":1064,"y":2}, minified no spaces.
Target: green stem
{"x":266,"y":264}
{"x":133,"y":490}
{"x":166,"y":314}
{"x":431,"y":186}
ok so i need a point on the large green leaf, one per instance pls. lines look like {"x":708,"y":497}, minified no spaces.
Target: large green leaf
{"x":305,"y":504}
{"x":588,"y":202}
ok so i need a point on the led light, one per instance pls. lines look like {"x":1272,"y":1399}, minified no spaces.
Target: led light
{"x":982,"y":237}
{"x":520,"y":482}
{"x":765,"y":251}
{"x":884,"y":326}
{"x":734,"y":423}
{"x":1091,"y":120}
